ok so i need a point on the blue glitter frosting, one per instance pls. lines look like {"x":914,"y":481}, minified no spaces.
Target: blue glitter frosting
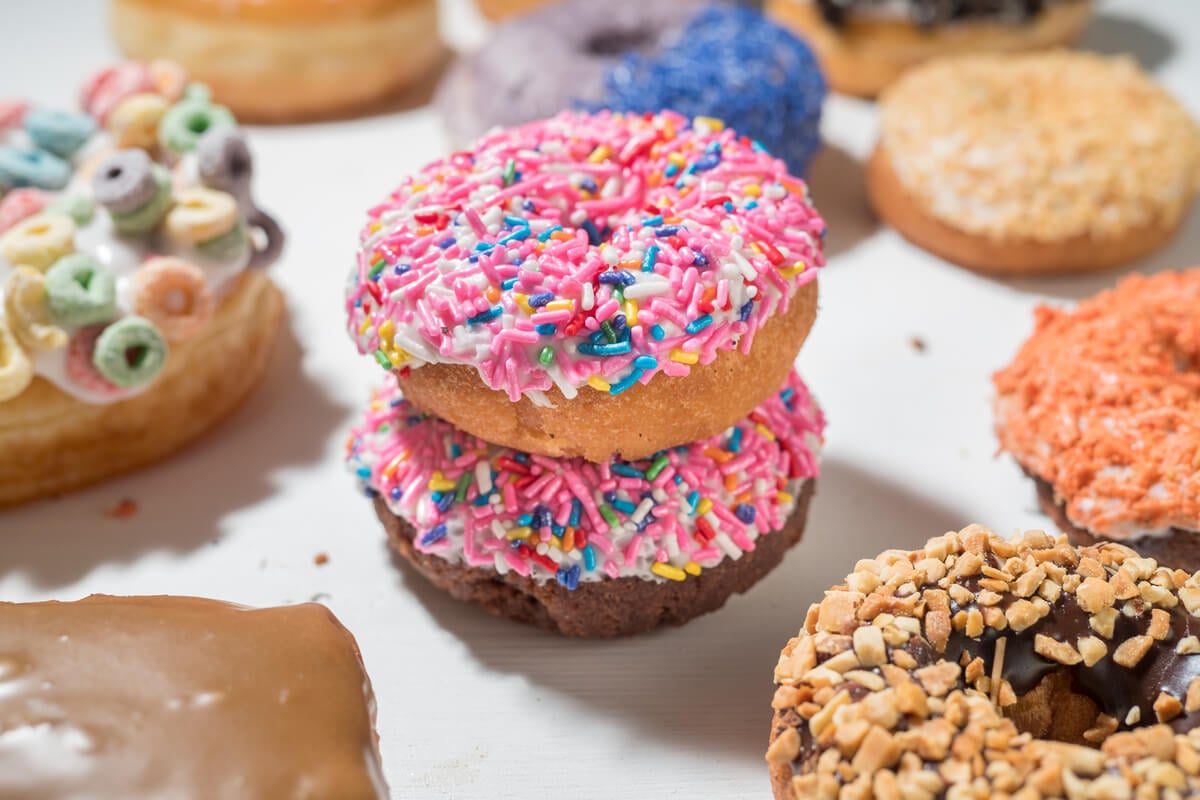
{"x":731,"y":63}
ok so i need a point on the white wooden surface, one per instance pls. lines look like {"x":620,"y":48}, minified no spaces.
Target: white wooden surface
{"x":472,"y":707}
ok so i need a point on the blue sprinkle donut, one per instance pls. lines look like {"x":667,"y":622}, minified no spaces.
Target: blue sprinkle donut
{"x":691,"y":56}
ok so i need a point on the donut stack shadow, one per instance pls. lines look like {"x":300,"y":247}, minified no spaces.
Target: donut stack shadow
{"x":589,"y":497}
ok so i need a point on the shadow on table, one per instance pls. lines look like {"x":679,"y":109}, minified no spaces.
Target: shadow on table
{"x":707,"y":686}
{"x":1113,"y":34}
{"x":180,"y":502}
{"x":839,"y":191}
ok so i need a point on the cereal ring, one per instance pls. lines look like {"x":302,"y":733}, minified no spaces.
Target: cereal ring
{"x":227,"y":245}
{"x":124,"y":181}
{"x":169,"y":78}
{"x":145,"y":219}
{"x":79,"y":366}
{"x":21,"y":204}
{"x":104,"y":90}
{"x":200,"y":215}
{"x":62,"y":133}
{"x":134,"y":123}
{"x":269,"y":243}
{"x":188,"y":120}
{"x":79,"y":207}
{"x":224,"y":162}
{"x":174,"y":295}
{"x":16,"y":370}
{"x":36,"y":168}
{"x":12,"y":112}
{"x":81,"y":291}
{"x":130,"y":352}
{"x":587,"y":267}
{"x":26,"y":311}
{"x":39,"y":241}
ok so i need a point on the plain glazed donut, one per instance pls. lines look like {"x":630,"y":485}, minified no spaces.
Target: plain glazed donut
{"x":865,"y":45}
{"x":979,"y":667}
{"x":1101,"y":407}
{"x":589,"y":549}
{"x":608,"y":264}
{"x":279,"y":60}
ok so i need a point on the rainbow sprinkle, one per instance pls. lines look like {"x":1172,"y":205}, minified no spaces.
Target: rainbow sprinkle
{"x":662,"y":518}
{"x":584,"y":250}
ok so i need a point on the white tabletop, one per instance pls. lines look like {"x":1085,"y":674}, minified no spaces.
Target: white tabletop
{"x":474,"y":707}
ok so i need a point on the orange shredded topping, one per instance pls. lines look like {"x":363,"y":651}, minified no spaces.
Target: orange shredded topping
{"x":1103,"y":402}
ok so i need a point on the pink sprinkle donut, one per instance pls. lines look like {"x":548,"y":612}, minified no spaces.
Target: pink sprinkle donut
{"x":534,"y":290}
{"x":583,"y":539}
{"x":105,"y":89}
{"x":79,"y":366}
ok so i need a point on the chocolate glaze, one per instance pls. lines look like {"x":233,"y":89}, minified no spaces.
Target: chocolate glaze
{"x":933,"y":13}
{"x":179,"y":697}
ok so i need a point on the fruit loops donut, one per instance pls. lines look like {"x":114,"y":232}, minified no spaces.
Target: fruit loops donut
{"x":280,"y":60}
{"x":1025,"y":164}
{"x":979,"y":667}
{"x":864,"y":45}
{"x":130,"y":321}
{"x":1101,"y":407}
{"x":591,"y":285}
{"x":694,"y":58}
{"x":592,"y":549}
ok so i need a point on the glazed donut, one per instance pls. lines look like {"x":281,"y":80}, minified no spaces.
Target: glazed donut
{"x":1101,"y":407}
{"x":715,"y":61}
{"x":280,"y":60}
{"x":1025,"y":164}
{"x":591,"y":285}
{"x":978,"y":667}
{"x":589,"y":549}
{"x":865,"y":45}
{"x":100,"y":270}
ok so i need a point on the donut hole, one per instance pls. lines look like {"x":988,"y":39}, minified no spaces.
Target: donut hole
{"x":614,"y":42}
{"x":198,"y":123}
{"x":1055,"y":711}
{"x":112,"y":173}
{"x":177,"y":301}
{"x":84,"y":278}
{"x":136,"y":356}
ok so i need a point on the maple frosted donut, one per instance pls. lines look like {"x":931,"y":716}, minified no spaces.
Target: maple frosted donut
{"x":1101,"y":407}
{"x":591,"y":285}
{"x":588,"y":549}
{"x":133,"y":315}
{"x":279,"y":60}
{"x":695,"y":57}
{"x":865,"y":45}
{"x":979,"y":667}
{"x":1024,"y":164}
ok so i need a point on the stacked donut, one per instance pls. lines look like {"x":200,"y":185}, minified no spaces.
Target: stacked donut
{"x":593,"y":424}
{"x":125,"y":231}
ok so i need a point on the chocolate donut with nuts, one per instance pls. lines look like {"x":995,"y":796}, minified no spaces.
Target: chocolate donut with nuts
{"x":981,"y":667}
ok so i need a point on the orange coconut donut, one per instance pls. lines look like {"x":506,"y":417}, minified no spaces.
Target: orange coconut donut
{"x":276,"y":60}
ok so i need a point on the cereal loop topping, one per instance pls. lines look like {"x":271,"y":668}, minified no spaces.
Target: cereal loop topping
{"x":1103,"y":403}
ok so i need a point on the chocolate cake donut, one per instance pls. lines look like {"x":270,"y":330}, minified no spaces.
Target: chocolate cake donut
{"x":980,"y":667}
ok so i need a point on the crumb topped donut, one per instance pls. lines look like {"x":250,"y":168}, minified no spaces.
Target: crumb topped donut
{"x":1054,"y":162}
{"x":592,"y":549}
{"x":591,"y":285}
{"x":979,"y":667}
{"x":132,"y":313}
{"x":1101,"y":406}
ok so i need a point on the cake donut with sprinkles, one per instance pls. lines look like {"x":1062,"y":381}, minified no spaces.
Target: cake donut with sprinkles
{"x":1101,"y":407}
{"x":591,"y":285}
{"x":694,"y":57}
{"x":980,"y":667}
{"x":865,"y":45}
{"x":588,"y":549}
{"x":133,"y":311}
{"x":1038,"y":163}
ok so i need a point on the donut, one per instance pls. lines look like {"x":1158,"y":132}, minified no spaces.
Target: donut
{"x":980,"y":667}
{"x":151,"y":678}
{"x":865,"y":45}
{"x":136,"y":248}
{"x":714,"y":60}
{"x":1101,"y":408}
{"x":1028,"y":164}
{"x":286,"y":60}
{"x":586,"y":549}
{"x":591,"y":285}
